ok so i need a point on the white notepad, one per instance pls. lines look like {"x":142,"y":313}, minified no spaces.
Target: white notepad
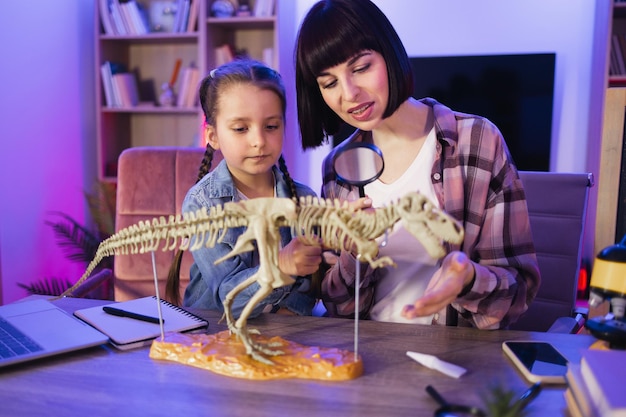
{"x":126,"y":333}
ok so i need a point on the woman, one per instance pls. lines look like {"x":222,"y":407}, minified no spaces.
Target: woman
{"x":352,"y":67}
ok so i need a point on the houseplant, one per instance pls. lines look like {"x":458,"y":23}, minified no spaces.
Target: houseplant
{"x":80,"y":243}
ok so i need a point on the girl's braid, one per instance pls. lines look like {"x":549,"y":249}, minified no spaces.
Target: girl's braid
{"x":205,"y":165}
{"x":292,"y":186}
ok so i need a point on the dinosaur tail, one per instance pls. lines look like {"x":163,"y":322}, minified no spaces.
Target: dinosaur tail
{"x":102,"y":252}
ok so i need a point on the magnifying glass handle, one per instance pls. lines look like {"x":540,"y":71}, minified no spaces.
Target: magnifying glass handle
{"x":436,"y":396}
{"x":361,"y":191}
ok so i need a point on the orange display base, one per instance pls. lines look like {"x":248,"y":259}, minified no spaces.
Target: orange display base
{"x":224,"y":354}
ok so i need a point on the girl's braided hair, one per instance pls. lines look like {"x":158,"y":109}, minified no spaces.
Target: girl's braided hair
{"x":240,"y":71}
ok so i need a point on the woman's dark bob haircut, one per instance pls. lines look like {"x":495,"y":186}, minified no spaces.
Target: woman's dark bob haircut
{"x":332,"y":32}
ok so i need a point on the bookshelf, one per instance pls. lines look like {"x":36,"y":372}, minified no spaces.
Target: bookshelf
{"x":152,"y":57}
{"x":617,"y":78}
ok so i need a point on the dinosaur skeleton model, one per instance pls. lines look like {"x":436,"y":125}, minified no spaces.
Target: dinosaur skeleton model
{"x":316,"y":221}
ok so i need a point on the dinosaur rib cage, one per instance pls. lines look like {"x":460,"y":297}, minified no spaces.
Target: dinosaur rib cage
{"x":314,"y":220}
{"x":337,"y":226}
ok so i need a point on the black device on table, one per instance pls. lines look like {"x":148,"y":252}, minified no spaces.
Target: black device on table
{"x":537,"y":361}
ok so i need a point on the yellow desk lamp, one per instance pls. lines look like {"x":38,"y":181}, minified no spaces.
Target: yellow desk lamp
{"x":608,"y":282}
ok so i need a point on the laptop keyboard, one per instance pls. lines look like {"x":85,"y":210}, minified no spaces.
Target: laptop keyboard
{"x":13,"y":342}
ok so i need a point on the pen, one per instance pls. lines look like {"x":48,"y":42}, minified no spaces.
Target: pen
{"x":529,"y":395}
{"x":123,"y":313}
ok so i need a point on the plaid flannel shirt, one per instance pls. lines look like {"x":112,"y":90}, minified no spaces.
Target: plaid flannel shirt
{"x":477,"y":183}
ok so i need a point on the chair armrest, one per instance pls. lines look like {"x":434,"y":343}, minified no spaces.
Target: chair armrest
{"x":93,"y":282}
{"x":583,"y":311}
{"x":569,"y":325}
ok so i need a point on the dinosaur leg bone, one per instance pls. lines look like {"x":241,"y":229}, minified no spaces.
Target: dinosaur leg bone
{"x":240,"y":328}
{"x":262,"y":228}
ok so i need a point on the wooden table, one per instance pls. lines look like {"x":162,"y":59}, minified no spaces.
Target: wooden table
{"x":103,"y":381}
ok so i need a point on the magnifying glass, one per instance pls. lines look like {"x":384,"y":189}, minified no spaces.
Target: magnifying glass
{"x":359,"y":164}
{"x":447,"y":409}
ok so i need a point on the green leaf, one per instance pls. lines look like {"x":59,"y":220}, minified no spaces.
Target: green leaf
{"x":77,"y":242}
{"x":502,"y":402}
{"x":47,"y":286}
{"x":101,"y":202}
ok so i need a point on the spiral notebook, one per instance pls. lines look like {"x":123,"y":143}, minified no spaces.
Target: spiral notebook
{"x":127,"y":333}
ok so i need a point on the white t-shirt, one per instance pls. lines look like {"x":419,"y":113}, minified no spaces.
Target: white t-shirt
{"x":407,"y":282}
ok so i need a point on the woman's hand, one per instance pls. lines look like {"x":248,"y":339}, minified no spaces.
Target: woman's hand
{"x":299,"y":259}
{"x":446,"y":284}
{"x":362,"y":203}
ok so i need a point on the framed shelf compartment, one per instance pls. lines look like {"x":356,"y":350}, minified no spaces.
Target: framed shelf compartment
{"x":151,"y":58}
{"x":256,"y":37}
{"x":619,"y":30}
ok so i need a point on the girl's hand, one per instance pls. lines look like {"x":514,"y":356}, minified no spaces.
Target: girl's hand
{"x":447,"y":282}
{"x":298,"y":258}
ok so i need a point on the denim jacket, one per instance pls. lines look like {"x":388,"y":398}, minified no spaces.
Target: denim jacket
{"x":209,"y":284}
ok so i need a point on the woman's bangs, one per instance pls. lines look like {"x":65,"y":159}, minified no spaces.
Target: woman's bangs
{"x":333,"y":47}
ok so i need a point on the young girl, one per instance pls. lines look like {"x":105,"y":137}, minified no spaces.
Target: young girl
{"x":244,"y":107}
{"x":352,"y":67}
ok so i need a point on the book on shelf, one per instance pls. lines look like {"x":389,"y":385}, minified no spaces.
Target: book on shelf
{"x":116,"y":18}
{"x":126,"y":85}
{"x":621,"y":41}
{"x":137,"y":16}
{"x":571,"y":406}
{"x":579,"y":403}
{"x":619,"y":57}
{"x":603,"y":373}
{"x":178,"y":15}
{"x":123,"y":17}
{"x":127,"y":333}
{"x":125,"y":22}
{"x":183,"y":85}
{"x":111,"y":94}
{"x":107,"y":84}
{"x":223,"y":54}
{"x":193,"y":15}
{"x":128,"y":21}
{"x":188,"y":87}
{"x":105,"y":17}
{"x":191,"y":96}
{"x":264,"y":8}
{"x":268,"y":57}
{"x":182,"y":16}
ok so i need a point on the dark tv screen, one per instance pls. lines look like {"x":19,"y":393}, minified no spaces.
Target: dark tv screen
{"x":513,"y":91}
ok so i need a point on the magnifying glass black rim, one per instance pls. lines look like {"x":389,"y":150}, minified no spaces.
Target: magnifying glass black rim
{"x":353,"y":145}
{"x":449,"y":408}
{"x":454,"y":408}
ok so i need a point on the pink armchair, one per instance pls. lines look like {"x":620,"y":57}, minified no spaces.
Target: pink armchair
{"x":152,"y":182}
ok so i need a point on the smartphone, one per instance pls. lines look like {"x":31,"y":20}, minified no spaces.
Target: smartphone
{"x":537,"y":361}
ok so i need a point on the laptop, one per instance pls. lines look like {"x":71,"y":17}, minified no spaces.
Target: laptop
{"x":36,"y":329}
